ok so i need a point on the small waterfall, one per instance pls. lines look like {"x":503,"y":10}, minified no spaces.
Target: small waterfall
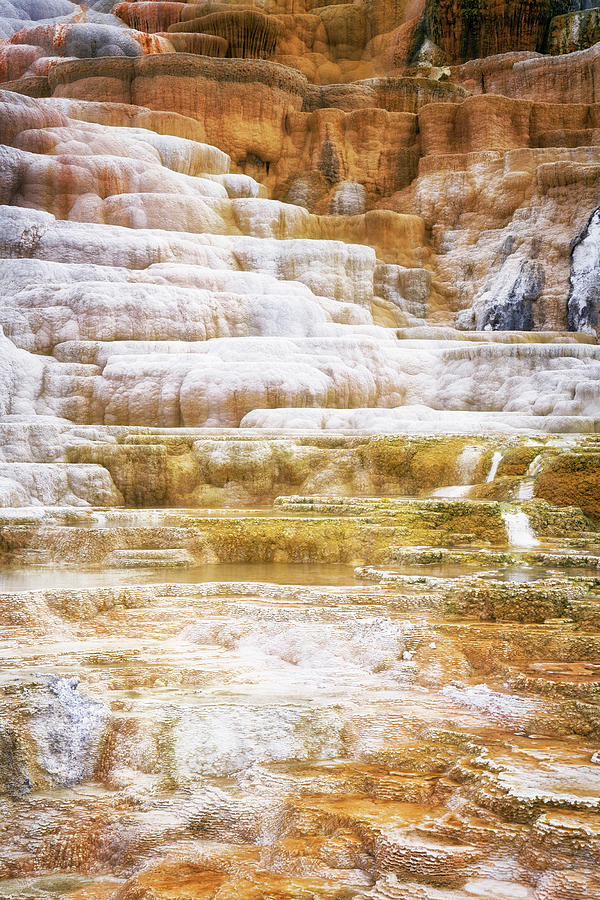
{"x":526,"y":489}
{"x":494,"y":466}
{"x":535,"y":466}
{"x":453,"y":490}
{"x":518,"y":528}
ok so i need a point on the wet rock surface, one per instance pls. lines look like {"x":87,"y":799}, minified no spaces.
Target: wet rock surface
{"x":584,"y":296}
{"x":411,"y":732}
{"x":425,"y":723}
{"x":299,"y":466}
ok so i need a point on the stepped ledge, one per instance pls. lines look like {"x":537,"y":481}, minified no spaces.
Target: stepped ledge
{"x":300,"y":450}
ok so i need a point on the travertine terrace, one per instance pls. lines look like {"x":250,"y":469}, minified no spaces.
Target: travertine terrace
{"x":300,"y":450}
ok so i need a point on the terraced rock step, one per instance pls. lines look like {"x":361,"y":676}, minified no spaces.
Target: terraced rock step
{"x":301,"y":530}
{"x":61,"y":464}
{"x":427,"y":556}
{"x":239,"y":709}
{"x":382,"y":744}
{"x":138,"y":559}
{"x":299,"y":450}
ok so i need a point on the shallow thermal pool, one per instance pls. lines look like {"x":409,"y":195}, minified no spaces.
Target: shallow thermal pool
{"x":56,"y":577}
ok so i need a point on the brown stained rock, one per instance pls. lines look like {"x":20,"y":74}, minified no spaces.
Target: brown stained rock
{"x":243,"y":880}
{"x":495,"y":123}
{"x":393,"y":94}
{"x":29,"y":86}
{"x":468,"y":29}
{"x":26,"y":114}
{"x":130,"y":116}
{"x":346,"y":28}
{"x":249,"y":33}
{"x":223,"y":95}
{"x":348,"y":147}
{"x":194,"y":42}
{"x":16,"y":60}
{"x":492,"y":74}
{"x":170,"y":881}
{"x":284,"y":142}
{"x":151,"y":16}
{"x":572,"y":479}
{"x":103,"y":890}
{"x":569,"y":78}
{"x":388,"y":15}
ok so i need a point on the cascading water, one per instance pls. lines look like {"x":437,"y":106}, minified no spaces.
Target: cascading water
{"x":518,"y":528}
{"x":526,"y":488}
{"x":494,"y":466}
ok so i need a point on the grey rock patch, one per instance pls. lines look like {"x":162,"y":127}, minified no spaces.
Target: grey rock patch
{"x":349,"y":199}
{"x":85,"y":40}
{"x":67,"y":727}
{"x":18,"y":14}
{"x":506,"y":304}
{"x":51,"y":733}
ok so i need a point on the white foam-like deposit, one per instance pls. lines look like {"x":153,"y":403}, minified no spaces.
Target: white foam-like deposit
{"x":518,"y":528}
{"x":321,"y":651}
{"x":505,"y":709}
{"x":413,"y":418}
{"x":224,"y":739}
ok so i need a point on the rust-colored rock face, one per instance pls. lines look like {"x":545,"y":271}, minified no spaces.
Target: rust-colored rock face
{"x":300,"y":450}
{"x":150,"y":16}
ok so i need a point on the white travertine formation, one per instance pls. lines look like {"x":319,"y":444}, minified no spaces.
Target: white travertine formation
{"x":299,"y":464}
{"x":145,"y":285}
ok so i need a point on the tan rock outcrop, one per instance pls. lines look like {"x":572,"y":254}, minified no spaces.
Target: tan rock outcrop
{"x":490,"y":122}
{"x":570,"y":78}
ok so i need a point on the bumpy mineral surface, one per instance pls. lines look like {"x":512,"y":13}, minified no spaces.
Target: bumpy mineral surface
{"x":299,"y":450}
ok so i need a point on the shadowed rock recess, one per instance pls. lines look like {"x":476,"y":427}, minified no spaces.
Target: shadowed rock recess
{"x":300,"y":450}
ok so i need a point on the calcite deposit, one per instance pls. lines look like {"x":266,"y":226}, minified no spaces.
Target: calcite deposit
{"x":299,"y":450}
